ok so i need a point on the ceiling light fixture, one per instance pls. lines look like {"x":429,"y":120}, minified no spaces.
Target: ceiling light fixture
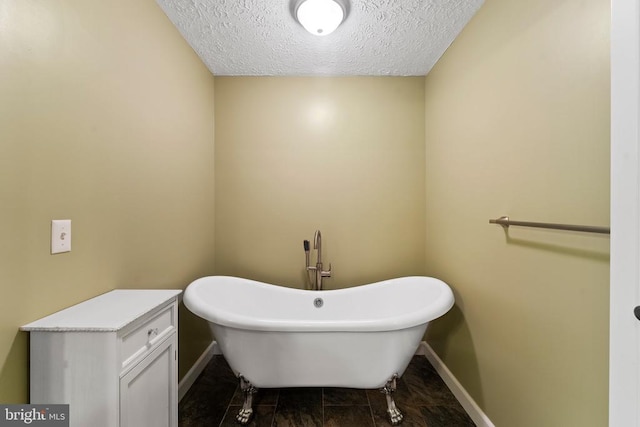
{"x":320,"y":17}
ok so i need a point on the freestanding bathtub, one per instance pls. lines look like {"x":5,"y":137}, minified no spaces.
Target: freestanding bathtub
{"x":360,"y":337}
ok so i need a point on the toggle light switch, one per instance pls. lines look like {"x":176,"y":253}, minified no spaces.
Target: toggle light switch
{"x":60,"y":236}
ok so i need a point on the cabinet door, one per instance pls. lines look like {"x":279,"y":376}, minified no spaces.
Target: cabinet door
{"x":148,"y":393}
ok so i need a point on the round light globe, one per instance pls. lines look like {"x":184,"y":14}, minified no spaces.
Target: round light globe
{"x":320,"y":17}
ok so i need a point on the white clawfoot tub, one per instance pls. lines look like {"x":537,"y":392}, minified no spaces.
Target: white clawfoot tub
{"x":360,"y":337}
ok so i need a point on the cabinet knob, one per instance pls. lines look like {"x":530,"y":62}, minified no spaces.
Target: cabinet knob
{"x":152,"y":332}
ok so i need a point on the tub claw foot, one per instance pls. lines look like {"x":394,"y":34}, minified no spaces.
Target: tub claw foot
{"x":246,"y":412}
{"x":395,"y":416}
{"x":244,"y":416}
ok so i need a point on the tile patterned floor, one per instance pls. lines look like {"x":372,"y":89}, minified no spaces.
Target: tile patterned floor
{"x":421,"y":395}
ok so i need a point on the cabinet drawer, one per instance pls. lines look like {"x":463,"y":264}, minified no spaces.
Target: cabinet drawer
{"x":142,"y":339}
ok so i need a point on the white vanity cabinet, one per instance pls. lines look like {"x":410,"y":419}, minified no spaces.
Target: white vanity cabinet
{"x":112,"y":358}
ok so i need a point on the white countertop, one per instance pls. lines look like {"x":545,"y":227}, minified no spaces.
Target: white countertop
{"x":108,"y":312}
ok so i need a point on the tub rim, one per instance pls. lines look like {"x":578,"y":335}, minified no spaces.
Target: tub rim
{"x":442,"y":304}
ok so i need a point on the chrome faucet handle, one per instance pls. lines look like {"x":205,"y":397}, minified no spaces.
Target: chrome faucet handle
{"x":326,"y":273}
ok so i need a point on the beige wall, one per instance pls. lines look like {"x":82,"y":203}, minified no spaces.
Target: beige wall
{"x":343,"y":155}
{"x":106,"y":118}
{"x":517,"y":123}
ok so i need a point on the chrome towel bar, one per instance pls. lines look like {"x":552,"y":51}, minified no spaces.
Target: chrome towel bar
{"x":506,"y":222}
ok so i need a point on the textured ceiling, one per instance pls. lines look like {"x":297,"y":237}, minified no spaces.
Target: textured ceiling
{"x":378,"y":37}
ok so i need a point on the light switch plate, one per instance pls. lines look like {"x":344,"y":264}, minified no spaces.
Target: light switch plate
{"x":60,"y":236}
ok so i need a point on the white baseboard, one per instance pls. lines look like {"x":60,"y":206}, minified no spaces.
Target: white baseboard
{"x":467,"y":402}
{"x":190,"y":377}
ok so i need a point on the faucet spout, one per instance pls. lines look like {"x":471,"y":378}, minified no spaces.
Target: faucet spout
{"x":317,"y":245}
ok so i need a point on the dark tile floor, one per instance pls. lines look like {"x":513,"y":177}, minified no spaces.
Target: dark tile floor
{"x":421,"y":395}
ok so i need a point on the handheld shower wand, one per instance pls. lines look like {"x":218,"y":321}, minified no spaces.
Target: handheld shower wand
{"x":308,"y":267}
{"x":305,"y":244}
